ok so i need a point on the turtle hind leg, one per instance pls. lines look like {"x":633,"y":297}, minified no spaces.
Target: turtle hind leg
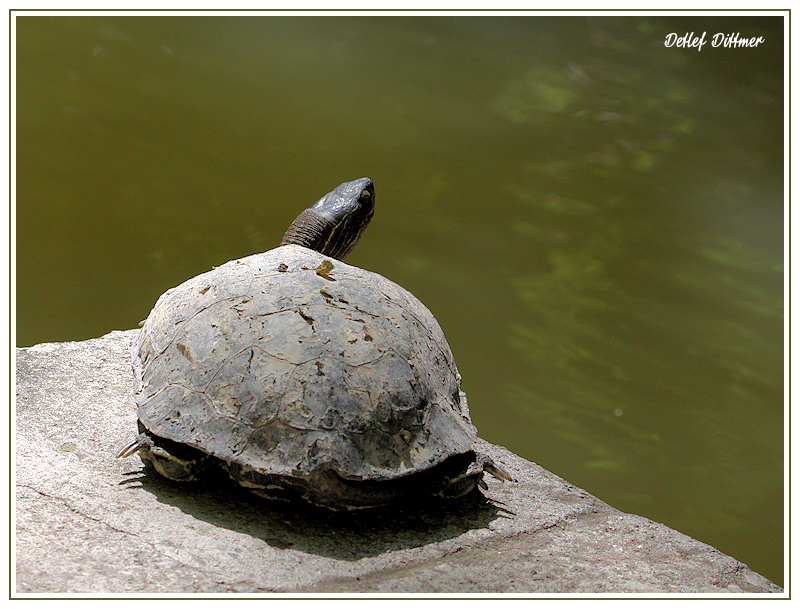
{"x":471,"y":474}
{"x":170,"y":459}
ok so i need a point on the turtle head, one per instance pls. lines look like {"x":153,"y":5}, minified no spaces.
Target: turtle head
{"x":333,"y":225}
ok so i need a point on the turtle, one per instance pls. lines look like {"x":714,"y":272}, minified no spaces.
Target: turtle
{"x":305,"y":378}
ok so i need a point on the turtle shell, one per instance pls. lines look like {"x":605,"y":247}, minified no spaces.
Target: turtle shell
{"x":288,"y":363}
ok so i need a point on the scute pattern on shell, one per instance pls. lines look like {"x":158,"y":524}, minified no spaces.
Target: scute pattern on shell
{"x":270,"y":364}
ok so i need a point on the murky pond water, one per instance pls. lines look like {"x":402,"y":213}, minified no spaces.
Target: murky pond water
{"x":595,"y":219}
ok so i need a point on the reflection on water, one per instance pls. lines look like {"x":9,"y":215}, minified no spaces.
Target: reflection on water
{"x":655,"y":303}
{"x":595,"y":219}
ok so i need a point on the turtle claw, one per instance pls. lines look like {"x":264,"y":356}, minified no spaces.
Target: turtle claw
{"x":497,"y":472}
{"x":131,"y":449}
{"x":482,"y":464}
{"x":487,"y":465}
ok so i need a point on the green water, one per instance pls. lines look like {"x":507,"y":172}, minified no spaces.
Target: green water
{"x":595,"y":219}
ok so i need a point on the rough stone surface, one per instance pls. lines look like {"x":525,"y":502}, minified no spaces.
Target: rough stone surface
{"x":90,"y":523}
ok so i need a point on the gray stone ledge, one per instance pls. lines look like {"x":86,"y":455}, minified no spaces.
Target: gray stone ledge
{"x":90,"y":523}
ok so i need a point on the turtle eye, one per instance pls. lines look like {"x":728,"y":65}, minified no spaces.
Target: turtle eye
{"x":365,"y":196}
